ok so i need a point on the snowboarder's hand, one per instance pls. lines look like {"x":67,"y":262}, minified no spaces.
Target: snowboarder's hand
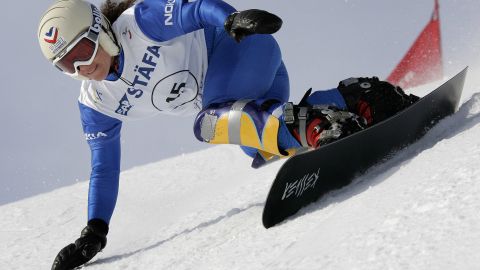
{"x":253,"y":21}
{"x":92,"y":239}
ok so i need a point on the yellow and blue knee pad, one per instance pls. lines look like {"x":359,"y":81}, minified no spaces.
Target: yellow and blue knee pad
{"x":242,"y":122}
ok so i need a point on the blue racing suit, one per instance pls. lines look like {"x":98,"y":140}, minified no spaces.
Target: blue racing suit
{"x":252,"y":69}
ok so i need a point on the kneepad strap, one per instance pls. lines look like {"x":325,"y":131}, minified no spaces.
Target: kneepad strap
{"x":243,"y":123}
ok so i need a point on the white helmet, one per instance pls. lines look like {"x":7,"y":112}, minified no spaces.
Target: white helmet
{"x":65,"y":23}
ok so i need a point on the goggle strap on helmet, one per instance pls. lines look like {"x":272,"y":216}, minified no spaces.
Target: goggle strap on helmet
{"x":108,"y":44}
{"x":107,"y":39}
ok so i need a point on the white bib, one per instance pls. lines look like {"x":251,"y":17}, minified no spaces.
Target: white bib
{"x":157,"y":77}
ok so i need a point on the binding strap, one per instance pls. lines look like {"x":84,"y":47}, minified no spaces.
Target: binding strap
{"x":234,"y":121}
{"x":302,"y":125}
{"x":290,"y":118}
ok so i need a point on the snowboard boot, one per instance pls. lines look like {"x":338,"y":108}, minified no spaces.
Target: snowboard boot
{"x":316,"y":125}
{"x":373,"y":99}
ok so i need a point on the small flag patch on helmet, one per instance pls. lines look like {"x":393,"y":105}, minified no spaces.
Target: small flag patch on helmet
{"x":51,"y":35}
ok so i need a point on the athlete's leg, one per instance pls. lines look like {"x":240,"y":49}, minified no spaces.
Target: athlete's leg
{"x":250,"y":71}
{"x":245,"y":70}
{"x":245,"y":84}
{"x":276,"y":95}
{"x":245,"y":99}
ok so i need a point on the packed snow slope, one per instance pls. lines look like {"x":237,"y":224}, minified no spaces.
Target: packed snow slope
{"x":418,"y":210}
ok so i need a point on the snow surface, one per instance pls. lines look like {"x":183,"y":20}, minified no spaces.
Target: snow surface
{"x":419,"y":210}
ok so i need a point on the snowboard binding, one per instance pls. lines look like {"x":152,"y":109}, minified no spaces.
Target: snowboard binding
{"x":374,"y":99}
{"x":316,"y":125}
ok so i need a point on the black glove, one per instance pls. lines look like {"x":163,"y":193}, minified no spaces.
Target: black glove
{"x":92,"y":240}
{"x":252,"y":21}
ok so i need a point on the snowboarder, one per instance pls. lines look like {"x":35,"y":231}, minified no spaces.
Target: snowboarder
{"x":202,"y":57}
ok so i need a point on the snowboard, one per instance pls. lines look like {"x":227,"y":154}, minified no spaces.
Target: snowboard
{"x":305,"y":177}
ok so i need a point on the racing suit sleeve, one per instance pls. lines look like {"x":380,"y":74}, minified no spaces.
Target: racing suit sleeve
{"x":103,"y":136}
{"x":166,"y":19}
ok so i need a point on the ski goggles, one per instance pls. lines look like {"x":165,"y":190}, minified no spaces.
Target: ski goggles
{"x":81,"y":51}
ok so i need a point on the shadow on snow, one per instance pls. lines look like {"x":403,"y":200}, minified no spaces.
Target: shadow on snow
{"x":229,"y":214}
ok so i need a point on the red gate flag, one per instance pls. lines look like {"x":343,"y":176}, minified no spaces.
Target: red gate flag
{"x":423,"y":61}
